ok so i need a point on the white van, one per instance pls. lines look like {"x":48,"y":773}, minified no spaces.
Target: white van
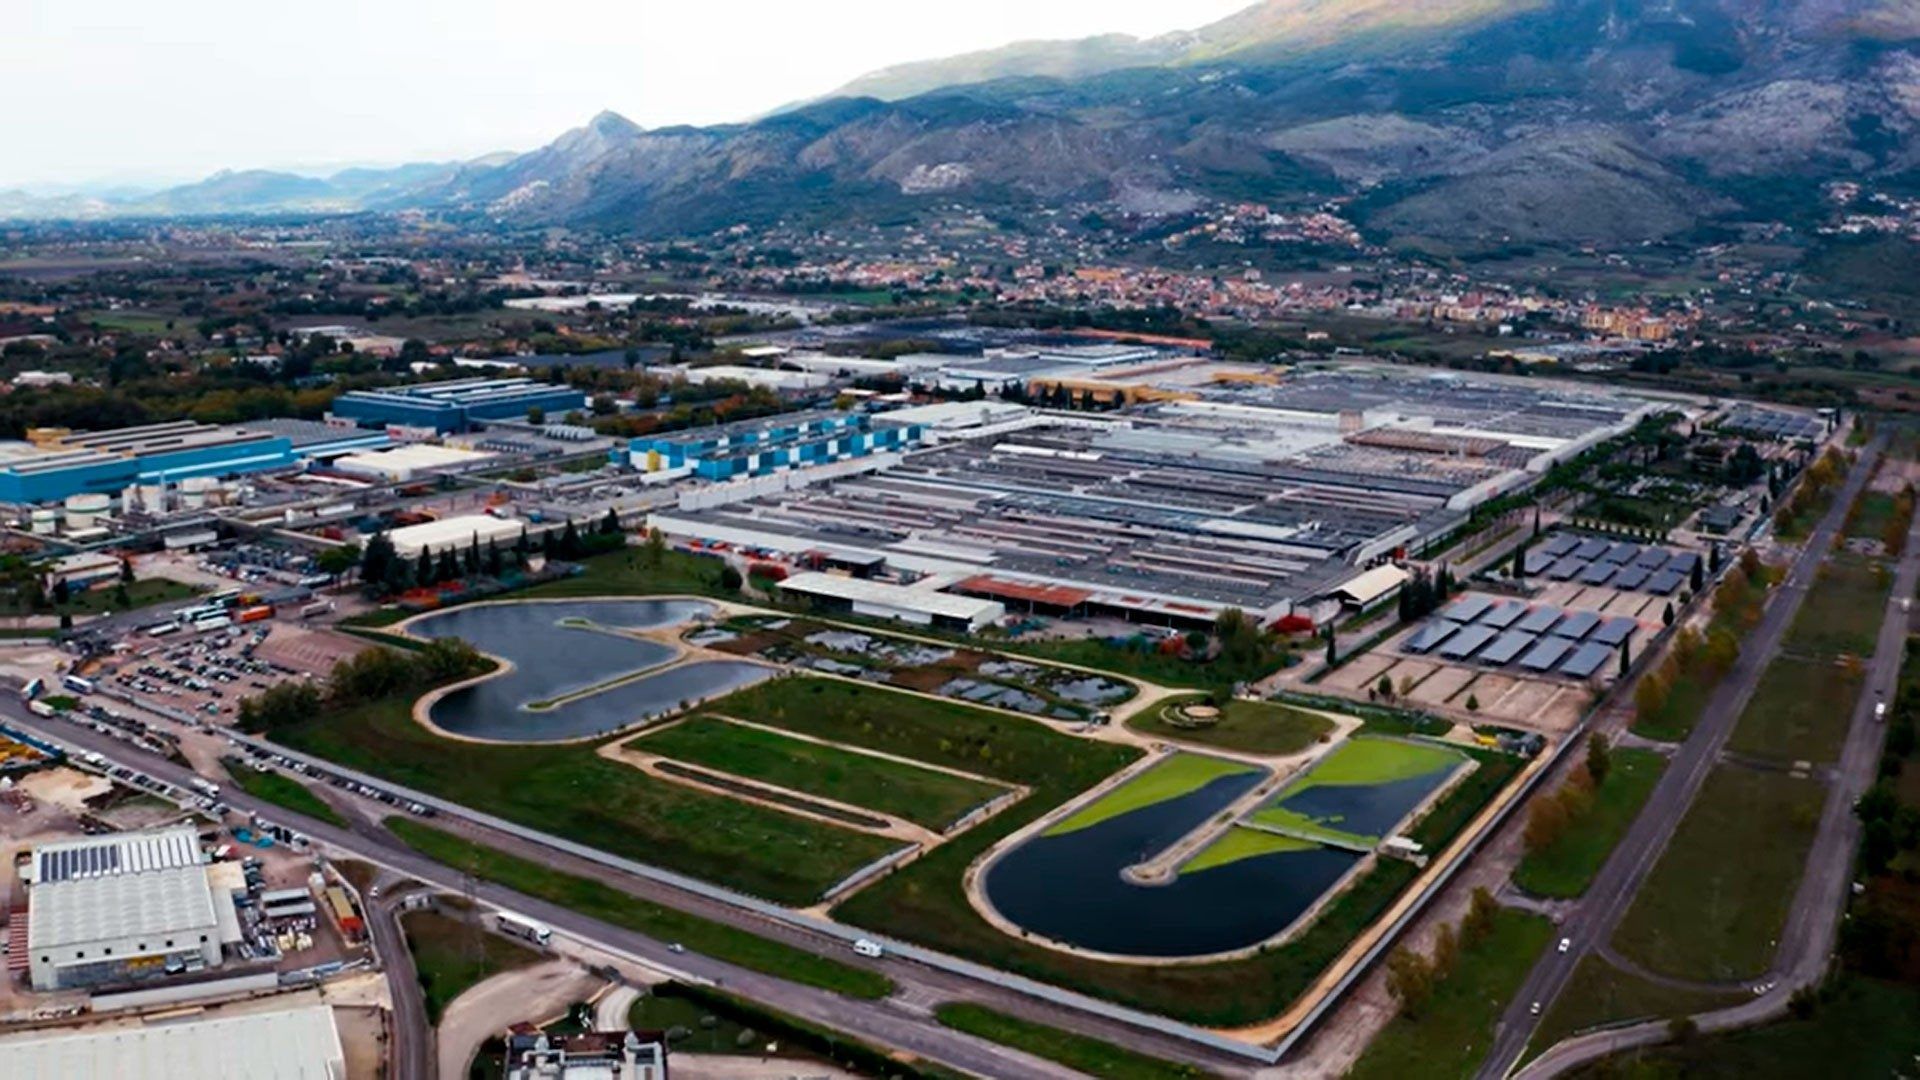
{"x":869,"y":948}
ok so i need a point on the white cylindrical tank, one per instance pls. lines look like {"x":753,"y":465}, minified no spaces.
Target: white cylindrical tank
{"x":46,"y":521}
{"x":85,"y":510}
{"x":196,"y":491}
{"x":154,"y":498}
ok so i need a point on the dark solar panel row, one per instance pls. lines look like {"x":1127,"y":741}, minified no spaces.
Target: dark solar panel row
{"x":1507,"y":646}
{"x":80,"y":862}
{"x":1467,"y":642}
{"x":1586,"y":660}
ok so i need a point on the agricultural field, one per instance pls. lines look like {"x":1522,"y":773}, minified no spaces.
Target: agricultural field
{"x":1254,"y":727}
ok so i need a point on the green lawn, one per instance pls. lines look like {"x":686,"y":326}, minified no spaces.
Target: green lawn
{"x":1140,"y":657}
{"x":1242,"y":843}
{"x":929,"y":798}
{"x":1869,"y":1029}
{"x":1455,"y":1029}
{"x":701,"y":1031}
{"x":1843,"y":610}
{"x":283,"y":790}
{"x":1566,"y":867}
{"x":452,"y":955}
{"x":1799,"y":712}
{"x":1601,"y":994}
{"x":1078,"y":1052}
{"x":571,"y":792}
{"x":608,"y":904}
{"x":1675,"y":720}
{"x":1255,"y":727}
{"x":143,"y":593}
{"x":1717,"y":899}
{"x":627,"y":573}
{"x":1177,"y":775}
{"x":1872,"y":513}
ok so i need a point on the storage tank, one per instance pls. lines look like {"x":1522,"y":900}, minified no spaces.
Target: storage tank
{"x":197,"y":491}
{"x":85,"y":510}
{"x":46,"y":521}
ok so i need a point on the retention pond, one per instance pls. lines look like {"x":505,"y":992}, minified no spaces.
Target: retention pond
{"x":575,"y":674}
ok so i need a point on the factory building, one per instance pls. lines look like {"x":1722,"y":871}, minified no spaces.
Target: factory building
{"x":57,"y":464}
{"x":118,"y":909}
{"x":457,"y":405}
{"x":458,"y":533}
{"x":587,"y":1055}
{"x":766,"y":446}
{"x":881,"y":600}
{"x":405,"y":463}
{"x":289,"y":1044}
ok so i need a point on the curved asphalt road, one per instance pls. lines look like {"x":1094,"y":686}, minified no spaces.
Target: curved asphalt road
{"x":412,"y":1052}
{"x":1593,"y":920}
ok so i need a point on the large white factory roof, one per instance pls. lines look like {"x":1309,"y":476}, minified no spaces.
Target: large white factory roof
{"x":150,"y":905}
{"x":122,"y":853}
{"x":403,"y":462}
{"x":456,"y":532}
{"x":861,"y":590}
{"x":293,"y":1044}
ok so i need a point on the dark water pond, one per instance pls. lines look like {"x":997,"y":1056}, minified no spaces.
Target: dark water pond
{"x":1068,"y":887}
{"x":1365,"y":809}
{"x":552,"y":659}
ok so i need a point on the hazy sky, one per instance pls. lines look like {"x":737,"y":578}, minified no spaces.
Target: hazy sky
{"x":146,"y":90}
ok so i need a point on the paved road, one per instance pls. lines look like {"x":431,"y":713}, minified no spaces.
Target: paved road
{"x":903,"y":1022}
{"x":1813,"y":923}
{"x":1613,"y":889}
{"x":411,"y":1054}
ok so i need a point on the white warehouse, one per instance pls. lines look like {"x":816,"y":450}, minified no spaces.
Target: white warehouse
{"x":882,"y":600}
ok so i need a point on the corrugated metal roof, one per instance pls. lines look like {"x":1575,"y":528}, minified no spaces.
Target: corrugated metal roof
{"x":151,"y":905}
{"x":294,"y":1044}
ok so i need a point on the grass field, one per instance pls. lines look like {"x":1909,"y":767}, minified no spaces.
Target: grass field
{"x":1872,"y":513}
{"x":1143,"y":661}
{"x":1455,"y":1028}
{"x":282,"y":790}
{"x":1241,"y":843}
{"x":143,"y":593}
{"x":929,"y":798}
{"x":1564,"y":868}
{"x":1843,"y":610}
{"x":571,"y":792}
{"x":1600,"y":994}
{"x":452,"y":956}
{"x":1090,"y":1056}
{"x":705,"y":1032}
{"x":604,"y":902}
{"x":1366,"y":759}
{"x":1867,"y":1029}
{"x":1715,"y":903}
{"x":1799,"y":712}
{"x":1256,"y":727}
{"x":626,"y":573}
{"x":1179,"y":774}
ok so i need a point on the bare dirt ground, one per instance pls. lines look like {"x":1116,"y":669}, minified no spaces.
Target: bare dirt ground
{"x":1441,"y":685}
{"x":308,"y":648}
{"x":1362,"y":671}
{"x":534,"y":994}
{"x":363,"y":1038}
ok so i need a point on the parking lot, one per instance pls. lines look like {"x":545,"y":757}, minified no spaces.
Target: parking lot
{"x":205,"y":677}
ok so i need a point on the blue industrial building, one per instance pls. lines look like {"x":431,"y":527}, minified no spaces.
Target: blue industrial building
{"x":457,"y":405}
{"x":769,"y":445}
{"x":108,"y":461}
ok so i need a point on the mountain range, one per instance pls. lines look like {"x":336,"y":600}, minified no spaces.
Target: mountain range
{"x":1462,"y":123}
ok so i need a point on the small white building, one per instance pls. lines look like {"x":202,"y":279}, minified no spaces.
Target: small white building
{"x":883,"y":600}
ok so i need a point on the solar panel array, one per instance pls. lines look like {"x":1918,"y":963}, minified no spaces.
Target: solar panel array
{"x":1775,"y":425}
{"x":1616,"y":564}
{"x":1541,"y":638}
